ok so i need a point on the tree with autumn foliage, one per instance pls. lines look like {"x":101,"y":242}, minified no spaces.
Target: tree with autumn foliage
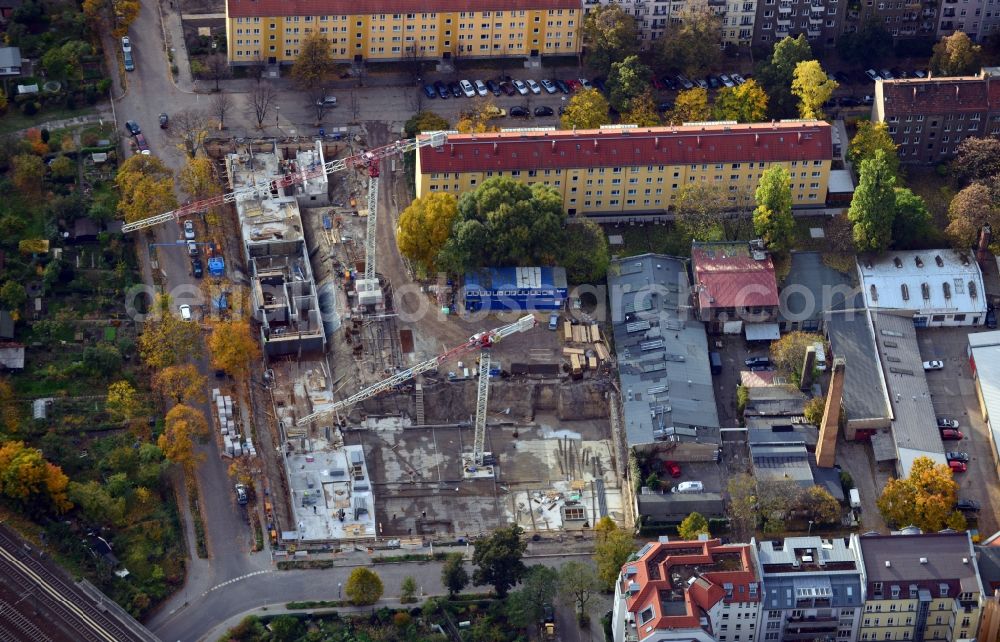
{"x":26,"y":477}
{"x":642,"y":111}
{"x":925,"y":499}
{"x":166,"y":339}
{"x":587,"y":109}
{"x":233,"y":347}
{"x":146,"y":187}
{"x":198,"y":178}
{"x":10,"y":411}
{"x":425,"y":226}
{"x":789,"y":351}
{"x":614,"y":546}
{"x":813,"y":87}
{"x":480,"y":118}
{"x":28,"y":175}
{"x":183,"y":426}
{"x":180,"y":383}
{"x":122,"y":403}
{"x":691,"y":106}
{"x":746,"y":103}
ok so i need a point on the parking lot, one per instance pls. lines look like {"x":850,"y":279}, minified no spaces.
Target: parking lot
{"x":954,"y":395}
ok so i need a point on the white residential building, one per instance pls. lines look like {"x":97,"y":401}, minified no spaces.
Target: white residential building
{"x":940,"y":287}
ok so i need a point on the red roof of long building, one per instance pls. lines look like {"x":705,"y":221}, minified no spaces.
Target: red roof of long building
{"x":693,"y":573}
{"x":690,"y":144}
{"x":727,"y":276}
{"x":243,"y":8}
{"x":929,"y":96}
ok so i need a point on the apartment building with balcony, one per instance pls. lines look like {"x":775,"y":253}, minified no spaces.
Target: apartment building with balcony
{"x":272,"y":31}
{"x":812,"y":590}
{"x":820,"y":20}
{"x":903,"y":19}
{"x":929,"y":117}
{"x":622,"y":170}
{"x":919,"y":586}
{"x":968,"y":16}
{"x":651,"y":17}
{"x":690,"y":591}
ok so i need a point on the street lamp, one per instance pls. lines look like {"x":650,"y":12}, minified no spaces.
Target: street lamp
{"x":277,"y":113}
{"x":340,"y":591}
{"x":810,"y":527}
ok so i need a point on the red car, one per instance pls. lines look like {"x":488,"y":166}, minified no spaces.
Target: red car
{"x":672,"y":468}
{"x":957,"y":466}
{"x":658,"y":84}
{"x":947,"y":434}
{"x":574,"y":84}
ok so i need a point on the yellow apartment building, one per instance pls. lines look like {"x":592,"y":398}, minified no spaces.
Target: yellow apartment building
{"x":919,"y":587}
{"x":272,"y":30}
{"x":619,"y":170}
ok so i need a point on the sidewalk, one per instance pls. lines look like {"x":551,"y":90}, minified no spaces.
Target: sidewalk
{"x":52,"y":125}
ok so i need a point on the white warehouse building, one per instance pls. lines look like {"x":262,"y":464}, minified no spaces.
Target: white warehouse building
{"x":941,"y":287}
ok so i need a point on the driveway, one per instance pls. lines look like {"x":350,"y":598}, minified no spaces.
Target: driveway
{"x":954,"y":395}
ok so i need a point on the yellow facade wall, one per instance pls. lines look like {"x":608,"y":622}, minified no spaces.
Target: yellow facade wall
{"x":401,"y":36}
{"x":947,"y":620}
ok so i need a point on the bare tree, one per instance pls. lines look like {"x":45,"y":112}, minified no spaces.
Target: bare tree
{"x":220,"y":104}
{"x":188,"y":129}
{"x":261,"y":102}
{"x":256,"y":67}
{"x":355,"y":108}
{"x":412,"y":62}
{"x":217,"y":68}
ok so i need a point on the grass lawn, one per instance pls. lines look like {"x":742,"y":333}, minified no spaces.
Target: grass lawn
{"x":935,"y":189}
{"x":649,"y":238}
{"x":14,"y":120}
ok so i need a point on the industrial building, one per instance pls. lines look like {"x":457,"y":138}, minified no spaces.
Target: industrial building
{"x":624,"y":170}
{"x":515,"y":288}
{"x":984,"y":359}
{"x":941,"y":287}
{"x":272,"y":32}
{"x":810,"y":289}
{"x":735,"y":289}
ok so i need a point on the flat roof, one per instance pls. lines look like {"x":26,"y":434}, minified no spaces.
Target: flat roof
{"x":985,"y":348}
{"x":663,"y":367}
{"x":812,"y":288}
{"x":326,"y":480}
{"x":944,"y":281}
{"x":933,"y":557}
{"x":853,"y":338}
{"x":508,"y":278}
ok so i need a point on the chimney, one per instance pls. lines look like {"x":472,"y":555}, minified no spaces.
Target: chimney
{"x":985,"y":238}
{"x":808,"y":363}
{"x":826,"y":448}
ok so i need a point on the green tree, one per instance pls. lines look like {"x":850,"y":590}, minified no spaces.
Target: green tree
{"x":628,"y":80}
{"x":692,"y":46}
{"x":693,"y":525}
{"x":812,"y":87}
{"x":870,"y":138}
{"x":504,"y":222}
{"x":64,"y":62}
{"x":925,"y":499}
{"x":742,"y":506}
{"x":424,"y":228}
{"x":578,"y":583}
{"x":538,"y":588}
{"x":746,"y":103}
{"x":584,"y":251}
{"x":453,"y":574}
{"x":146,"y":187}
{"x":286,"y":628}
{"x":642,"y":111}
{"x":93,"y":499}
{"x":955,"y":55}
{"x":691,"y":106}
{"x":609,"y":32}
{"x":363,"y":587}
{"x":498,"y":559}
{"x":652,"y":482}
{"x":968,"y":211}
{"x":870,"y":44}
{"x":788,"y":352}
{"x":873,"y":207}
{"x":63,"y":168}
{"x":612,"y":549}
{"x":819,"y":506}
{"x":776,"y":74}
{"x":588,"y":109}
{"x":912,"y":226}
{"x":425,"y":121}
{"x":12,"y":295}
{"x":408,"y":590}
{"x":814,"y":409}
{"x":772,"y":220}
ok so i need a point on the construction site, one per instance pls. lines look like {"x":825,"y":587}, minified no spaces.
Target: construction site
{"x":391,"y":413}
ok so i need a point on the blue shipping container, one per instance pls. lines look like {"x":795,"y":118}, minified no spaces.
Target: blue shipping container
{"x":522,"y":288}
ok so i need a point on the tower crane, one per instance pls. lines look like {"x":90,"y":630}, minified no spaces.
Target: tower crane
{"x":482,"y":341}
{"x":262,"y":188}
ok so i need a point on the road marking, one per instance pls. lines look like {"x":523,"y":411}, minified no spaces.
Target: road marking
{"x":236,"y":579}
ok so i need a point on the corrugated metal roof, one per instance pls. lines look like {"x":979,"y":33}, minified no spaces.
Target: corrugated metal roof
{"x":727,"y":275}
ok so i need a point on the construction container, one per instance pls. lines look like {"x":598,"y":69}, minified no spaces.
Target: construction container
{"x":520,"y":288}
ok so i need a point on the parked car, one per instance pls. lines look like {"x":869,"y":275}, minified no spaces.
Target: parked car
{"x":549,"y":86}
{"x":481,"y":88}
{"x":563,"y":87}
{"x":126,"y":44}
{"x":533,"y":86}
{"x":944,"y":422}
{"x":467,"y":88}
{"x":969,"y":505}
{"x":872,"y":75}
{"x":189,"y":230}
{"x":919,"y":73}
{"x":493,"y":86}
{"x":868,"y":100}
{"x":947,"y":434}
{"x":507,"y":88}
{"x":132,"y":127}
{"x":701,"y":82}
{"x":520,"y":87}
{"x":666,"y":105}
{"x":850,"y":101}
{"x":128,"y":61}
{"x":657,"y":84}
{"x":519,"y":112}
{"x":727,"y":81}
{"x":241,"y":495}
{"x":193,"y":249}
{"x":164,"y":120}
{"x":683,"y":81}
{"x":326,"y":101}
{"x":669,"y":82}
{"x":897,"y":72}
{"x":672,"y":468}
{"x":956,"y":455}
{"x":185,"y":311}
{"x":598,"y":84}
{"x":958,"y":466}
{"x":544,"y":111}
{"x":492,"y":111}
{"x":430,"y":91}
{"x":885,"y":73}
{"x":991,"y":318}
{"x":933,"y":365}
{"x":585,"y":83}
{"x":688,"y":487}
{"x":142,"y":145}
{"x":553,"y":321}
{"x":842,"y":78}
{"x":455,"y":89}
{"x":442,"y":89}
{"x":751,"y":362}
{"x":196,"y":268}
{"x":738,"y":79}
{"x":574,"y":84}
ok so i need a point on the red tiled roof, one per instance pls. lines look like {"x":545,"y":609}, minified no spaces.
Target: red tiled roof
{"x":243,"y":8}
{"x":930,"y":96}
{"x":504,"y":151}
{"x":727,"y":276}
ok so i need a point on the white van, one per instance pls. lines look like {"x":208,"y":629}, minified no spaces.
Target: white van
{"x":688,"y":487}
{"x":820,"y":356}
{"x":185,"y":312}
